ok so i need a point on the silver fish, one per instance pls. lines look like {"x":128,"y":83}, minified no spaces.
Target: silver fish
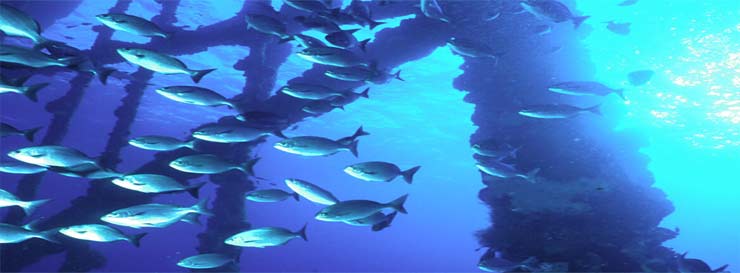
{"x":312,"y":91}
{"x":32,"y":58}
{"x":552,"y":10}
{"x":20,"y":168}
{"x":311,"y":192}
{"x":581,"y":88}
{"x":9,"y":130}
{"x":31,"y":91}
{"x":16,"y":234}
{"x":194,"y":95}
{"x":469,"y":48}
{"x":100,"y":233}
{"x":154,"y":215}
{"x":380,"y":171}
{"x":131,"y":24}
{"x":432,"y":9}
{"x":51,"y":155}
{"x":346,"y":39}
{"x":161,"y":63}
{"x":222,"y":133}
{"x":557,"y":111}
{"x":8,"y":199}
{"x":210,"y":164}
{"x":332,"y":56}
{"x":319,"y":107}
{"x":14,"y":22}
{"x":312,"y":6}
{"x":160,"y":143}
{"x":308,"y":41}
{"x":357,"y":209}
{"x":502,"y":170}
{"x":155,"y":183}
{"x":271,"y":195}
{"x":267,"y":25}
{"x":205,"y":261}
{"x":264,"y":237}
{"x":319,"y":146}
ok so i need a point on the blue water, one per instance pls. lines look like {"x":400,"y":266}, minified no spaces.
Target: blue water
{"x":688,"y":112}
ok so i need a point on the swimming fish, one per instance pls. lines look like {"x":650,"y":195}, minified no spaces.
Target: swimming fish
{"x":160,"y":143}
{"x":14,"y":22}
{"x":357,"y":209}
{"x":346,"y":39}
{"x":161,"y":63}
{"x":552,"y":10}
{"x":318,"y":23}
{"x":503,"y":170}
{"x":16,"y":234}
{"x":311,"y":192}
{"x":131,"y":24}
{"x":100,"y":233}
{"x":51,"y":155}
{"x":380,"y":171}
{"x":155,"y":183}
{"x":154,"y":215}
{"x":581,"y":88}
{"x":493,"y":261}
{"x":88,"y":170}
{"x":319,"y":146}
{"x":618,"y":28}
{"x":378,"y":221}
{"x":194,"y":95}
{"x":332,"y":56}
{"x":9,"y":130}
{"x":316,"y":92}
{"x":432,"y":9}
{"x":640,"y":77}
{"x":319,"y":107}
{"x":222,"y":133}
{"x":686,"y":265}
{"x":557,"y":111}
{"x":32,"y":58}
{"x":360,"y":73}
{"x":8,"y":199}
{"x":264,"y":237}
{"x":494,"y":149}
{"x":20,"y":168}
{"x":312,"y":6}
{"x":627,"y":3}
{"x":469,"y":48}
{"x":210,"y":164}
{"x":307,"y":41}
{"x":205,"y":261}
{"x":31,"y":91}
{"x":267,"y":25}
{"x":271,"y":195}
{"x":361,"y":12}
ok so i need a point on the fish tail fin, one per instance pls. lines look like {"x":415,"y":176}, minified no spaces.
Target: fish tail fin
{"x":577,"y":21}
{"x":302,"y":233}
{"x":620,"y":93}
{"x":191,"y":218}
{"x":278,"y":133}
{"x":103,"y":74}
{"x":340,"y":107}
{"x":49,"y":235}
{"x":397,"y":75}
{"x":136,"y":239}
{"x":296,"y":196}
{"x":595,"y":109}
{"x":353,"y":148}
{"x":32,"y":91}
{"x":198,"y":74}
{"x":248,"y":167}
{"x":31,"y":206}
{"x":721,"y":268}
{"x":398,"y":204}
{"x":365,"y":93}
{"x":408,"y":175}
{"x":30,"y":134}
{"x":194,"y":190}
{"x":190,"y":144}
{"x":531,"y":176}
{"x":201,"y":208}
{"x":372,"y":24}
{"x":363,"y":44}
{"x":359,"y":132}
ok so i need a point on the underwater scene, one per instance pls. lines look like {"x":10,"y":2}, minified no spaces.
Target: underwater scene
{"x":369,"y":136}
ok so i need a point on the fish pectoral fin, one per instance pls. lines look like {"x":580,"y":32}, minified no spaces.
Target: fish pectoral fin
{"x":119,"y":21}
{"x":37,"y":155}
{"x":139,"y":55}
{"x":138,"y":183}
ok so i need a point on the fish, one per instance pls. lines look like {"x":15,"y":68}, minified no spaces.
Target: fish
{"x":264,"y":237}
{"x":16,"y":234}
{"x":346,"y":39}
{"x":20,"y":168}
{"x":432,"y":9}
{"x":357,"y":209}
{"x":84,"y":62}
{"x":640,"y":77}
{"x":332,"y":56}
{"x":154,"y":215}
{"x":503,"y":170}
{"x":359,"y":73}
{"x":627,"y":3}
{"x":618,"y":28}
{"x":88,"y":170}
{"x":161,"y":63}
{"x":319,"y":146}
{"x":493,"y":261}
{"x":210,"y":164}
{"x":308,"y":41}
{"x":553,"y":11}
{"x":469,"y":48}
{"x":232,"y":133}
{"x":315,"y":92}
{"x":312,"y":6}
{"x":378,"y":221}
{"x":263,"y":119}
{"x":155,"y":183}
{"x":267,"y":25}
{"x":194,"y":95}
{"x":557,"y":111}
{"x":32,"y":58}
{"x":160,"y":143}
{"x":16,"y":23}
{"x":361,"y":12}
{"x":100,"y":233}
{"x":494,"y":149}
{"x":16,"y":86}
{"x":271,"y":195}
{"x":311,"y":192}
{"x":51,"y":156}
{"x":205,"y":261}
{"x":380,"y":171}
{"x":8,"y":199}
{"x":583,"y":88}
{"x":318,"y":23}
{"x":686,"y":265}
{"x":319,"y":107}
{"x":9,"y":130}
{"x":131,"y":24}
